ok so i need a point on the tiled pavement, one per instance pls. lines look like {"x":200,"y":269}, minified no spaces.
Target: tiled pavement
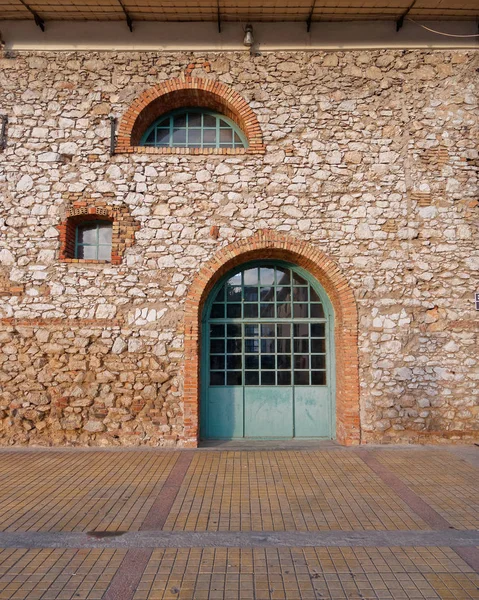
{"x":362,"y":522}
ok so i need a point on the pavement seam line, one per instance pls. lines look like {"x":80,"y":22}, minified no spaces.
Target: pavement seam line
{"x":128,"y":576}
{"x":417,"y":504}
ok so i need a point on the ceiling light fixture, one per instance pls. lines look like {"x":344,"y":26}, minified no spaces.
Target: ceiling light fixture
{"x":248,"y":39}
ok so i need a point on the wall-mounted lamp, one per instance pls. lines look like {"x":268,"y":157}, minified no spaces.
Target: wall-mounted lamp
{"x":248,"y":39}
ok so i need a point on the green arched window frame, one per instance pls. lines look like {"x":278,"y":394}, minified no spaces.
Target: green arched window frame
{"x":194,"y":128}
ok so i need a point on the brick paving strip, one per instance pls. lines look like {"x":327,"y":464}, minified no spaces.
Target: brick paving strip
{"x":245,"y":539}
{"x":418,"y":505}
{"x":128,"y":576}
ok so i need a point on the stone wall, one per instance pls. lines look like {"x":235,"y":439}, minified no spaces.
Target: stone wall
{"x":370,"y":156}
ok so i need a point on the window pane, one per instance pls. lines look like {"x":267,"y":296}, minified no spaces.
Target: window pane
{"x":284,"y":377}
{"x":251,"y":378}
{"x":268,"y":361}
{"x":301,"y":330}
{"x":250,"y":311}
{"x":283,"y":276}
{"x":318,"y":362}
{"x":234,"y":346}
{"x":266,"y":293}
{"x":217,"y":346}
{"x":284,"y":346}
{"x":180,"y":120}
{"x":318,"y":377}
{"x":267,"y":311}
{"x":252,"y":362}
{"x":283,"y":294}
{"x":104,"y":253}
{"x":209,"y":136}
{"x":233,"y":361}
{"x":284,"y":330}
{"x":217,"y":331}
{"x":250,"y":294}
{"x":233,"y":311}
{"x":301,"y":361}
{"x":267,"y":345}
{"x":209,"y":121}
{"x":284,"y":311}
{"x":251,"y":330}
{"x":220,"y":296}
{"x":234,"y":331}
{"x":233,"y":378}
{"x":251,"y":345}
{"x":150,"y":140}
{"x":267,"y":330}
{"x":317,"y":330}
{"x":318,"y":345}
{"x":267,"y":377}
{"x":301,"y":345}
{"x":300,"y":294}
{"x":314,"y":296}
{"x":87,"y":234}
{"x":266,"y":276}
{"x":217,"y":378}
{"x":163,"y":137}
{"x":251,"y":277}
{"x":104,"y":233}
{"x":217,"y":311}
{"x":301,"y":378}
{"x":300,"y":311}
{"x":179,"y":137}
{"x":194,"y":119}
{"x":87,"y":252}
{"x":226,"y":136}
{"x":284,"y":361}
{"x":238,"y":141}
{"x":317,"y":311}
{"x":194,"y":137}
{"x":217,"y":362}
{"x":298,"y":280}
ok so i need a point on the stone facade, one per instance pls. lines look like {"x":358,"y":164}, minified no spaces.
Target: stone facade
{"x":369,"y":156}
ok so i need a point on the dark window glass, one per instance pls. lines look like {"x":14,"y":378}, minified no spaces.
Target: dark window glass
{"x":251,"y":362}
{"x":217,"y":362}
{"x":318,"y":346}
{"x":317,"y":311}
{"x":217,"y":346}
{"x":233,"y":378}
{"x":318,"y":377}
{"x":268,"y":377}
{"x":217,"y":331}
{"x":217,"y":378}
{"x":268,"y":361}
{"x":250,"y":311}
{"x":318,"y":362}
{"x":234,"y":346}
{"x":217,"y":311}
{"x":233,"y":311}
{"x":301,"y":378}
{"x":251,"y":377}
{"x":284,"y":378}
{"x":233,"y":361}
{"x":317,"y":330}
{"x":234,"y":330}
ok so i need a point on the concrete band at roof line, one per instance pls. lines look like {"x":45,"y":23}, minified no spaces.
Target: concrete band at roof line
{"x":269,"y":37}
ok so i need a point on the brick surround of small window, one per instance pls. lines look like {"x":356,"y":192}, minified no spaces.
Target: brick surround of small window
{"x":187,"y":93}
{"x":124,"y":227}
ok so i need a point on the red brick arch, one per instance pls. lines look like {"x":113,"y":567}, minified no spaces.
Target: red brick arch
{"x":267,"y":244}
{"x":187,"y":92}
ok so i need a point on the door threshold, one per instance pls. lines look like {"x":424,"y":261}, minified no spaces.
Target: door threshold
{"x":262,"y":444}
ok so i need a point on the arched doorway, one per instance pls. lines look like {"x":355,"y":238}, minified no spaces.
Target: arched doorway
{"x":267,"y":244}
{"x":267,"y":366}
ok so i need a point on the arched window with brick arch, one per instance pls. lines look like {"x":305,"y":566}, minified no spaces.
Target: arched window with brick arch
{"x":96,"y":234}
{"x":190,"y":116}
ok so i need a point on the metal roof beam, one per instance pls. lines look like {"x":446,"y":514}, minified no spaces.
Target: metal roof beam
{"x":400,"y":21}
{"x":38,"y":20}
{"x":129,"y":20}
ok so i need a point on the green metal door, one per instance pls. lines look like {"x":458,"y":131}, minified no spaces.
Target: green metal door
{"x":267,"y":355}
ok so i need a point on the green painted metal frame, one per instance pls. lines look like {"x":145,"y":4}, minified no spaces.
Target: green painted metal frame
{"x":329,"y":325}
{"x":170,"y":116}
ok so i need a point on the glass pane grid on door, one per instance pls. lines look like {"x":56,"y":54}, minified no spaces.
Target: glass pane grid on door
{"x":267,"y":354}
